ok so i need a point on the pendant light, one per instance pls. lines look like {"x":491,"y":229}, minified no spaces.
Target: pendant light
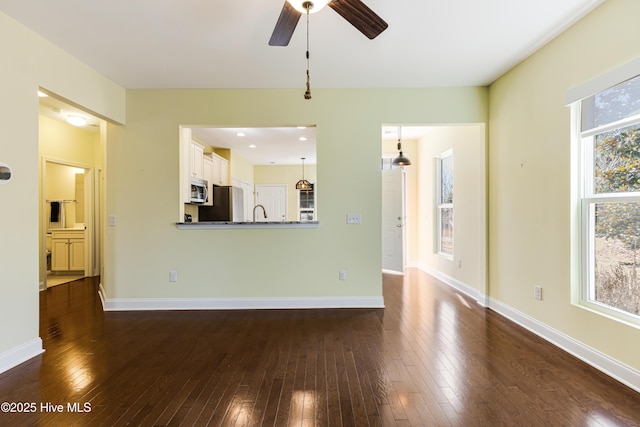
{"x":401,"y":160}
{"x":308,"y":5}
{"x":303,"y":184}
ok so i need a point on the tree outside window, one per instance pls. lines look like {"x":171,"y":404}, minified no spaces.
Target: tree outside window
{"x":444,"y":177}
{"x":611,"y":198}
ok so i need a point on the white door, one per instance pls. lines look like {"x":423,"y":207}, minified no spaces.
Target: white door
{"x":274,"y":199}
{"x":249,"y":201}
{"x":393,"y":220}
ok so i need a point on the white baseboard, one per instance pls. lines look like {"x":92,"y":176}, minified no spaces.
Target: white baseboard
{"x":454,"y":283}
{"x":17,"y":355}
{"x":605,"y":364}
{"x":139,"y":304}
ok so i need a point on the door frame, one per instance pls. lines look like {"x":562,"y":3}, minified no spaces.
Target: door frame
{"x":284,"y":187}
{"x":91,"y":211}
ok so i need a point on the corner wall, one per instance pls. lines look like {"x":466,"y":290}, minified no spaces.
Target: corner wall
{"x":467,"y":269}
{"x":529,"y":186}
{"x":30,"y":62}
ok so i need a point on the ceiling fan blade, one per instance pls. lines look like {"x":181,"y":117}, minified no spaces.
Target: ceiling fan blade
{"x":285,"y":26}
{"x":360,"y":16}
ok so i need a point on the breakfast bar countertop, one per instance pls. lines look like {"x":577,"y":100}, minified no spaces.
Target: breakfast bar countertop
{"x":258,"y":224}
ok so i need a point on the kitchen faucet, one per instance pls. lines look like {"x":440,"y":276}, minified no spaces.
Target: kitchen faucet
{"x":263,"y":211}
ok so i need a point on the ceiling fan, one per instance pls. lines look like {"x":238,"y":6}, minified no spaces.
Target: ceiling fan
{"x":355,"y":12}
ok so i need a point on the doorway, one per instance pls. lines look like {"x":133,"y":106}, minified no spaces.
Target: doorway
{"x":393,"y":220}
{"x":274,"y":199}
{"x":68,"y":222}
{"x":70,"y":204}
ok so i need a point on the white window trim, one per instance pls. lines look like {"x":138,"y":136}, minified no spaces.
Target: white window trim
{"x":618,"y":75}
{"x":584,"y":197}
{"x":440,"y":206}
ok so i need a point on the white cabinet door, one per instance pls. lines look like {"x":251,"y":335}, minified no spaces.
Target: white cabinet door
{"x":220,"y":170}
{"x":197,"y":159}
{"x":76,"y":254}
{"x":59,"y":254}
{"x":216,"y":166}
{"x":224,"y":172}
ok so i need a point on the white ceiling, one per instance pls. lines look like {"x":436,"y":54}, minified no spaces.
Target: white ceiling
{"x":271,"y":146}
{"x":224,"y":43}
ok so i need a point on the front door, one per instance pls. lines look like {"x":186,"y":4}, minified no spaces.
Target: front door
{"x":274,"y":199}
{"x":393,"y":220}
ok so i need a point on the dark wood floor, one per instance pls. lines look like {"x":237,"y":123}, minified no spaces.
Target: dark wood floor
{"x":432,"y":357}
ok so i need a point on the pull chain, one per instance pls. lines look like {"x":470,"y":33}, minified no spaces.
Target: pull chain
{"x":307,"y":94}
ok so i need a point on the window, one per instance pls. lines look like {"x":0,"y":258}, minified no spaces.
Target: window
{"x":610,"y":200}
{"x":444,"y":203}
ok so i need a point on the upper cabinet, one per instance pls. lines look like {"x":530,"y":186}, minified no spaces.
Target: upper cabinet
{"x":220,"y":170}
{"x":196,"y":160}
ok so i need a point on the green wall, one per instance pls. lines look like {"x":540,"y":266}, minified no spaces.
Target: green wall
{"x":30,"y":62}
{"x":143,"y":193}
{"x":530,"y":209}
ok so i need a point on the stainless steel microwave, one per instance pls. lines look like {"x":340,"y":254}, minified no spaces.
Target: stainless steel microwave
{"x":199,"y":190}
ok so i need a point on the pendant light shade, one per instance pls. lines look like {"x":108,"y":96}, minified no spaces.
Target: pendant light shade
{"x":401,"y":160}
{"x":303,"y":184}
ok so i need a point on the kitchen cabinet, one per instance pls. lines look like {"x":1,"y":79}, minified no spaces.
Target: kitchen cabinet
{"x":67,"y":250}
{"x":196,"y":160}
{"x":307,"y":204}
{"x":207,"y":171}
{"x":220,"y":173}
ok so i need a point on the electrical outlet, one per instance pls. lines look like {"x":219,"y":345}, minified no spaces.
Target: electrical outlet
{"x":353,"y":218}
{"x":459,"y":263}
{"x":173,"y":276}
{"x":111,"y":220}
{"x":342,"y":275}
{"x":537,"y":292}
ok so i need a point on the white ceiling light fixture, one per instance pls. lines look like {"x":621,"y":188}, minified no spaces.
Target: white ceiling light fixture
{"x":76,"y":120}
{"x":312,"y":6}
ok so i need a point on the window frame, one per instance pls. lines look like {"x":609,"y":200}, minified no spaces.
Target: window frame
{"x":587,"y":200}
{"x":440,"y":206}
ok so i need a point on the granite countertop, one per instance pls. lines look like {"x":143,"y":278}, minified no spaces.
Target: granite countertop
{"x":258,"y":224}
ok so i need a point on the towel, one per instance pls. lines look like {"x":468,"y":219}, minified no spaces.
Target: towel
{"x":55,"y":212}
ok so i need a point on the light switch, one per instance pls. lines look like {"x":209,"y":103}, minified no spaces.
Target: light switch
{"x":112,"y":220}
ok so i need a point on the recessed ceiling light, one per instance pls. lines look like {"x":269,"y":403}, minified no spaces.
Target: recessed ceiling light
{"x":252,"y":146}
{"x":240,"y":134}
{"x":76,"y":120}
{"x":302,"y":138}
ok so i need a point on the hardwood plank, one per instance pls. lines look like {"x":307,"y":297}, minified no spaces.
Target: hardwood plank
{"x":431,"y":357}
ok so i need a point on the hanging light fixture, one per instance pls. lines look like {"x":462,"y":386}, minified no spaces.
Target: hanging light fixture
{"x":303,"y":184}
{"x":303,"y":6}
{"x":308,"y":5}
{"x":401,"y":160}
